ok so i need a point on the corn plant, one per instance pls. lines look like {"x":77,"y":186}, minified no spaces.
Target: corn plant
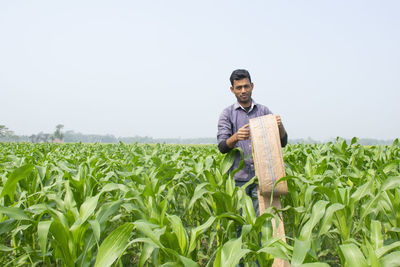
{"x":177,"y":205}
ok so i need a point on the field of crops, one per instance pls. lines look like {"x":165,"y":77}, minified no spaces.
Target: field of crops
{"x":167,"y":205}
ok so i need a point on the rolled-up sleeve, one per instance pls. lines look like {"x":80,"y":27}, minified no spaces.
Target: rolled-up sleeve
{"x":284,"y":140}
{"x":224,"y":126}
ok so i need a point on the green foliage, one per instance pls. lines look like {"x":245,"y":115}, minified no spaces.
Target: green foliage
{"x":170,"y":205}
{"x":344,"y":199}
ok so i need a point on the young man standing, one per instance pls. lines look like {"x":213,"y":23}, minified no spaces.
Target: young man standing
{"x":233,"y":129}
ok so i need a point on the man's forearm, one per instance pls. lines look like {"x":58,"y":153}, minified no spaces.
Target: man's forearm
{"x":228,"y":144}
{"x":231,"y":141}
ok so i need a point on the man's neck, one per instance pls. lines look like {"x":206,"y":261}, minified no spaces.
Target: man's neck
{"x":245,"y":105}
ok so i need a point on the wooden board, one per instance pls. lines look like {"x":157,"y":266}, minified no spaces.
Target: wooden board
{"x":269,"y":168}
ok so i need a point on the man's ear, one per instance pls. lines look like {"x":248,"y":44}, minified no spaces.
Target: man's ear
{"x":252,"y":86}
{"x":231,"y":89}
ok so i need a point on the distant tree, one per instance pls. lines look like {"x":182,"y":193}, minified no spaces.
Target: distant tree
{"x":47,"y":137}
{"x":40,"y":137}
{"x":5,"y":132}
{"x":32,"y":138}
{"x":58,"y":134}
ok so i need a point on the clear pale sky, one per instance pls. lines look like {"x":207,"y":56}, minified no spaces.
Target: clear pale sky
{"x":161,"y":68}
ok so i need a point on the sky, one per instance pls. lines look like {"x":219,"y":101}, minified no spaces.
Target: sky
{"x":161,"y":68}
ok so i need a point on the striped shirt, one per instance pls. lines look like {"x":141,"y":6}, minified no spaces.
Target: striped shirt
{"x":230,"y":121}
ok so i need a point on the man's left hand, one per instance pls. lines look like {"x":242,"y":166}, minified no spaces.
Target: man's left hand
{"x":282,"y":131}
{"x":278,"y":120}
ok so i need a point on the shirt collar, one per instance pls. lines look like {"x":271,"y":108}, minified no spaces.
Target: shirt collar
{"x":253,"y":104}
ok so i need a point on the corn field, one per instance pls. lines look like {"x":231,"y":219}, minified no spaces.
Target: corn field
{"x":169,"y":205}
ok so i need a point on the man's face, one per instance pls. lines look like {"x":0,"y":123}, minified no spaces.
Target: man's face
{"x":242,"y":90}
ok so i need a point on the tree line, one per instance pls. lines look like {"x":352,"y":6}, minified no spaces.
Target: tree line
{"x":7,"y":135}
{"x":58,"y":136}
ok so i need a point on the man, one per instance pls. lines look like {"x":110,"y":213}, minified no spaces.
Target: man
{"x":233,"y":129}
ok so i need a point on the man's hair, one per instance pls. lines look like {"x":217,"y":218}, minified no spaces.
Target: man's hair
{"x":239,"y":75}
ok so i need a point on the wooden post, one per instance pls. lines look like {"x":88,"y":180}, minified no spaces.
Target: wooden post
{"x":269,"y":168}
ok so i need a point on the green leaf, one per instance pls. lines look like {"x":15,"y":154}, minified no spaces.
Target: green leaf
{"x":362,"y":191}
{"x":275,"y":251}
{"x":367,"y":208}
{"x":145,"y":253}
{"x":376,"y":234}
{"x":318,"y":212}
{"x":88,"y":207}
{"x":43,"y":230}
{"x":249,"y":212}
{"x":62,"y":238}
{"x":390,"y":166}
{"x":391,"y":260}
{"x":7,"y":225}
{"x":231,"y":253}
{"x":12,"y":180}
{"x":328,"y":217}
{"x":390,"y":183}
{"x":372,"y":258}
{"x":353,"y":256}
{"x":315,"y":264}
{"x":5,"y":248}
{"x":111,"y":187}
{"x":300,"y":249}
{"x":14,"y":213}
{"x":188,"y":262}
{"x":180,"y":232}
{"x":195,"y":232}
{"x":309,"y":194}
{"x":353,"y":140}
{"x":146,"y":229}
{"x":198,"y":194}
{"x":170,"y":264}
{"x":96,"y":229}
{"x":106,"y":210}
{"x":20,"y":228}
{"x":228,"y":161}
{"x":114,"y":245}
{"x":308,"y":168}
{"x":261,"y":220}
{"x":385,"y":249}
{"x":145,"y":240}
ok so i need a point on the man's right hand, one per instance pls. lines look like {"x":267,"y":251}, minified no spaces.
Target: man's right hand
{"x":243,"y":133}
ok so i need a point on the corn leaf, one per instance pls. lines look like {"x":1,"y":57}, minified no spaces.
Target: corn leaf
{"x":195,"y":232}
{"x":385,"y":249}
{"x":114,"y":245}
{"x":326,"y":222}
{"x":43,"y":230}
{"x":62,"y":238}
{"x":353,"y":256}
{"x":315,"y":264}
{"x":391,"y":260}
{"x":300,"y":250}
{"x":12,"y":180}
{"x":230,"y":253}
{"x":318,"y":212}
{"x":14,"y":213}
{"x":180,"y":232}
